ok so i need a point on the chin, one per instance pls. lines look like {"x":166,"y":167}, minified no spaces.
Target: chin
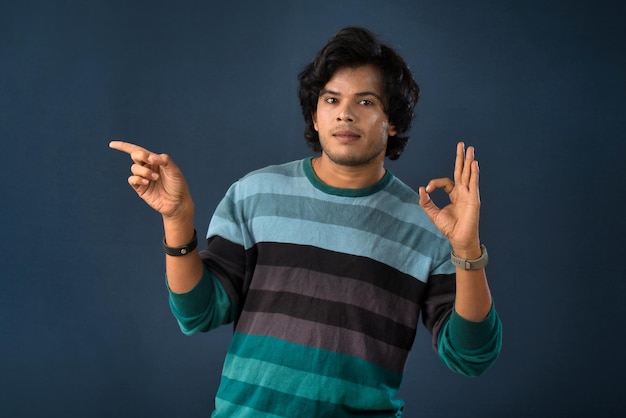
{"x":351,"y":160}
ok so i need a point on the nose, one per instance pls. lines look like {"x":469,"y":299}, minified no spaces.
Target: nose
{"x":345,"y":113}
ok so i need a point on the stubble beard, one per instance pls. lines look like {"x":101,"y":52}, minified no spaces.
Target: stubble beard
{"x":354,"y":158}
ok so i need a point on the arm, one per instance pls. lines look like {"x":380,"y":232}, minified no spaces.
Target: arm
{"x":459,"y":223}
{"x":470,"y":339}
{"x":160,"y":183}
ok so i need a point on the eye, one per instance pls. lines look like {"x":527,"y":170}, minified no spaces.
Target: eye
{"x":366,"y":102}
{"x":330,"y":100}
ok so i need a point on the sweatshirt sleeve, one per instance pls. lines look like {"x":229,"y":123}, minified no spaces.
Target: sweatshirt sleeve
{"x":205,"y":307}
{"x":469,"y":347}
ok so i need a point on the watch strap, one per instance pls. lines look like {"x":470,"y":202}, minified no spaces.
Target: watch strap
{"x":476,"y":264}
{"x":183,"y":249}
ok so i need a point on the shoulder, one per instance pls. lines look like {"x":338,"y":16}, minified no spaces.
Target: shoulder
{"x":402,"y":191}
{"x":290,"y":169}
{"x":403,"y":202}
{"x":269,"y":179}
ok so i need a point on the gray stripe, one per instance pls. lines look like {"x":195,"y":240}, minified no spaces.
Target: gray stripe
{"x":336,"y":289}
{"x":324,"y":337}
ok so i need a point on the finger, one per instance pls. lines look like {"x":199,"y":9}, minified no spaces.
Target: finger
{"x":136,"y":182}
{"x":144,"y":171}
{"x":138,"y":154}
{"x":467,"y":166}
{"x":126,"y":147}
{"x":427,"y":204}
{"x":442,"y":183}
{"x":459,"y":163}
{"x":473,"y":185}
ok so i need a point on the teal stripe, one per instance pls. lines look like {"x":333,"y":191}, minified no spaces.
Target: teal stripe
{"x":339,"y":239}
{"x":414,"y":261}
{"x":372,"y":218}
{"x":324,"y":362}
{"x":226,"y":409}
{"x":469,"y":347}
{"x":396,"y":233}
{"x":233,"y":394}
{"x":226,"y":223}
{"x":302,"y":384}
{"x":396,"y":198}
{"x":204,"y":307}
{"x":290,"y":169}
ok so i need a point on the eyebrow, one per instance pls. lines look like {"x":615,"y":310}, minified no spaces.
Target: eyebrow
{"x":361,"y":94}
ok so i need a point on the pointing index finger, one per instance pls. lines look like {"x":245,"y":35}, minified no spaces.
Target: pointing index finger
{"x":126,"y":147}
{"x":138,"y":154}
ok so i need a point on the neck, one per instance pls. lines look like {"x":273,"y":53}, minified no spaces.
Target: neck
{"x":348,"y":177}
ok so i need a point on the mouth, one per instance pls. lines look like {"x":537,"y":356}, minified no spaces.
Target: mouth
{"x":346,"y":136}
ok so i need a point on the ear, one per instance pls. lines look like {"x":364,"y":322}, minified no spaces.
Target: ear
{"x":314,"y":117}
{"x":391,"y":130}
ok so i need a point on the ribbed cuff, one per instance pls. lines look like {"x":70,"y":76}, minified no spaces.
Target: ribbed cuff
{"x":194,"y":301}
{"x":470,"y":335}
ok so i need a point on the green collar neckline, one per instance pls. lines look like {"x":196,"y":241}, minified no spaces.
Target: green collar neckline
{"x":338,"y":191}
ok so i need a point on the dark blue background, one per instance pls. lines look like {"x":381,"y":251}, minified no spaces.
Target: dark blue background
{"x":537,"y":86}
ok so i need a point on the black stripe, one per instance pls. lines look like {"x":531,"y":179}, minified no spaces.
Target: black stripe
{"x":331,"y":313}
{"x":438,"y":303}
{"x":342,"y":265}
{"x":337,"y":289}
{"x":232,"y":264}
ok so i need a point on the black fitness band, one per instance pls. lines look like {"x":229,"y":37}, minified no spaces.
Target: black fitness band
{"x":183,"y":249}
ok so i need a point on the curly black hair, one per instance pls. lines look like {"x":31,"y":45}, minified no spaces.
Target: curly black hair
{"x":354,"y":47}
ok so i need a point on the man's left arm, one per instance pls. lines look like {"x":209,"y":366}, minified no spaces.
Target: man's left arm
{"x":473,"y":331}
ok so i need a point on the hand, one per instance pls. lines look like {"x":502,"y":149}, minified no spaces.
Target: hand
{"x":458,"y":221}
{"x":158,"y":181}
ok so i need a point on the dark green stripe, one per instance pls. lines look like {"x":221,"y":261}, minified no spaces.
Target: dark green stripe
{"x":323,"y":362}
{"x":365,"y":191}
{"x":284,"y":404}
{"x":325,"y":337}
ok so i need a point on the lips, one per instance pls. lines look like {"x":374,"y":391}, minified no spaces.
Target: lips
{"x":346,"y":135}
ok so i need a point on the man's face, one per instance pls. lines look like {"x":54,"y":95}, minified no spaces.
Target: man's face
{"x":350,"y":117}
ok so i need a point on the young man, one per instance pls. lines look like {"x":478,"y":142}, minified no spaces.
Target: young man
{"x":325,"y":264}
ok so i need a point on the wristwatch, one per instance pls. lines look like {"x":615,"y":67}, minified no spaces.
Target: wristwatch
{"x":476,"y":264}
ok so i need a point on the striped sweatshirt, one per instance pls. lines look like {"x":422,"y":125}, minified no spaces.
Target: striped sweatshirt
{"x":325,"y":288}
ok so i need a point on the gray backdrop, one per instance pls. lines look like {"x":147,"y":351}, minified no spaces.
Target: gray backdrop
{"x":537,"y":86}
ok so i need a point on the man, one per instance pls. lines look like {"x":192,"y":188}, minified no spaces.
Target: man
{"x":325,"y":264}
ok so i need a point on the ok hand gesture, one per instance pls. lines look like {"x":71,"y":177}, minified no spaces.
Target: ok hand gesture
{"x":157,"y":180}
{"x":458,"y":221}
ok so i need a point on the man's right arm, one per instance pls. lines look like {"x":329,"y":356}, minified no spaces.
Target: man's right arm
{"x":183,"y":272}
{"x":160,"y":183}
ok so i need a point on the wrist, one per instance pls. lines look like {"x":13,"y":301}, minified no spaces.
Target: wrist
{"x":469,"y":252}
{"x":470,"y":263}
{"x":181,"y":212}
{"x":181,"y":250}
{"x":179,"y":229}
